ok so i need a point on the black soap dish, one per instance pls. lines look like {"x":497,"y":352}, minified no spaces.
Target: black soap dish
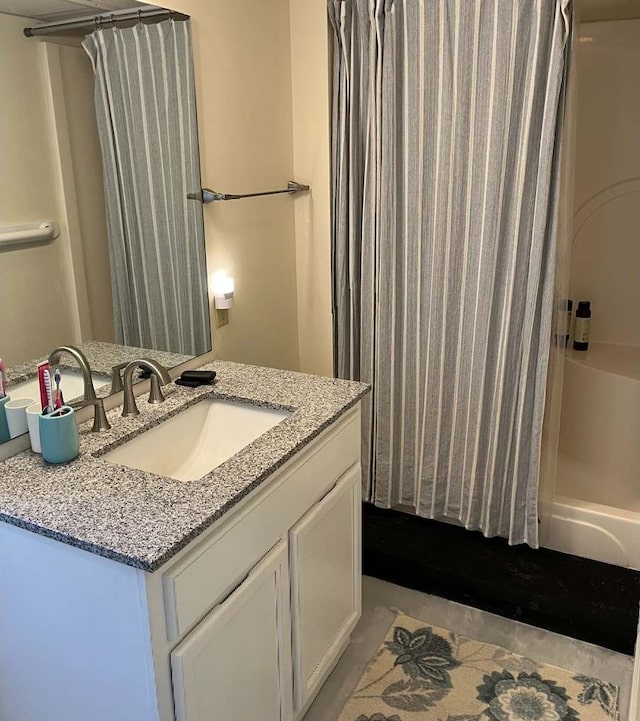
{"x":195,"y":379}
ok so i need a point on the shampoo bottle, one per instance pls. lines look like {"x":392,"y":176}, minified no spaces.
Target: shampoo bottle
{"x":582,"y":326}
{"x":563,"y":322}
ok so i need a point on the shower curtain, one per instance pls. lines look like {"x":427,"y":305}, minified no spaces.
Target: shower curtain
{"x":447,"y":117}
{"x":146,"y":114}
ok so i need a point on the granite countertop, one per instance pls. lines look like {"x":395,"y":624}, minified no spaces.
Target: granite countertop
{"x":142,"y":519}
{"x":102,"y":357}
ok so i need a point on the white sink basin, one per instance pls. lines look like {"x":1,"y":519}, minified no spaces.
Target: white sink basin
{"x":197,"y":440}
{"x":71,"y":385}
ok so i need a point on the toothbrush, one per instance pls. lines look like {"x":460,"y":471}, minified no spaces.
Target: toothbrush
{"x":3,"y":379}
{"x":57,"y":402}
{"x":48,"y":388}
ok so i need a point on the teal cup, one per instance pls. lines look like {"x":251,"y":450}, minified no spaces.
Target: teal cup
{"x":4,"y":427}
{"x":59,"y":438}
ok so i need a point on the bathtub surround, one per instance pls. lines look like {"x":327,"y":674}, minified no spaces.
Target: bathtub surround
{"x":146,"y":112}
{"x":574,"y":596}
{"x":606,"y":250}
{"x":446,"y":178}
{"x":594,"y":509}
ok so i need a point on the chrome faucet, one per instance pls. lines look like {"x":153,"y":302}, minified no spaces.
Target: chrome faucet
{"x":89,"y":398}
{"x":159,"y":377}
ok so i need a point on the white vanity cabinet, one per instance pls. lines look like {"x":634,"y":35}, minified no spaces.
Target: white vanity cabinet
{"x":324,"y":550}
{"x":235,"y":664}
{"x":244,"y":623}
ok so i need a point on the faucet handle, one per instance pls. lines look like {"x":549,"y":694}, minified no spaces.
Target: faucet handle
{"x":155,"y":392}
{"x":159,"y":376}
{"x":116,"y":377}
{"x":100,"y":421}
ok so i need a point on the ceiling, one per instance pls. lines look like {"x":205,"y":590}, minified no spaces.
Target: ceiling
{"x":51,"y":10}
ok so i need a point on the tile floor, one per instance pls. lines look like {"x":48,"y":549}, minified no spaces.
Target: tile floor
{"x":379,"y":597}
{"x":576,"y":597}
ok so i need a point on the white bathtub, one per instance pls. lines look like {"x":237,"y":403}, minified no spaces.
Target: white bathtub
{"x":593,"y":530}
{"x":596,"y":508}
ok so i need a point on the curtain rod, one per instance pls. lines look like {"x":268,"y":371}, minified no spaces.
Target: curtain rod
{"x":94,"y":22}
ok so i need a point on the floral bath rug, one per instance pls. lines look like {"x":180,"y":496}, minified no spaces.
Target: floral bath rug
{"x":424,"y":673}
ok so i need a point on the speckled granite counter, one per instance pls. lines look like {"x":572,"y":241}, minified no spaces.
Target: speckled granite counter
{"x":102,"y":357}
{"x":142,"y":519}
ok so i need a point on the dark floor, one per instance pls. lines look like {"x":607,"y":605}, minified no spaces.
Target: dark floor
{"x":577,"y":597}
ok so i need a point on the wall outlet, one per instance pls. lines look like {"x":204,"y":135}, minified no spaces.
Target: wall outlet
{"x":222,"y":317}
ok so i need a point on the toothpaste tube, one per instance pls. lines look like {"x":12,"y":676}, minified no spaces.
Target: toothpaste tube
{"x":42,"y":385}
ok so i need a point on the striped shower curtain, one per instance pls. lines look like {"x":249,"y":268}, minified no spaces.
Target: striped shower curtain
{"x":146,"y":113}
{"x":446,"y":124}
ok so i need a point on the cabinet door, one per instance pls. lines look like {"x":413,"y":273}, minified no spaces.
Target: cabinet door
{"x":325,"y":570}
{"x":236,"y":663}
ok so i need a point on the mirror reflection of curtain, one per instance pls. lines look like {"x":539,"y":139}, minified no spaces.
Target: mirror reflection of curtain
{"x":146,"y":114}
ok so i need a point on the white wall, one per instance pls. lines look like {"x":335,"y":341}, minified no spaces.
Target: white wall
{"x":606,"y":247}
{"x":85,"y":173}
{"x":36,"y":308}
{"x":310,"y":75}
{"x":593,"y":10}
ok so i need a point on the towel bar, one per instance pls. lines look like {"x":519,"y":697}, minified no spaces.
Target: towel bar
{"x":28,"y":233}
{"x":206,"y":195}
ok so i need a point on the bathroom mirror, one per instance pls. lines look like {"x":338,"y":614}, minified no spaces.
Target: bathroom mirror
{"x":99,"y":246}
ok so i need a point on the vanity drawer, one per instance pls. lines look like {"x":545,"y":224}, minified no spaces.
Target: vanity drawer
{"x":206,"y":573}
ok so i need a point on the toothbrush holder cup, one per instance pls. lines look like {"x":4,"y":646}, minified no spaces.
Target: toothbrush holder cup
{"x":4,"y":426}
{"x":59,"y":438}
{"x":34,"y":411}
{"x":16,"y":411}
